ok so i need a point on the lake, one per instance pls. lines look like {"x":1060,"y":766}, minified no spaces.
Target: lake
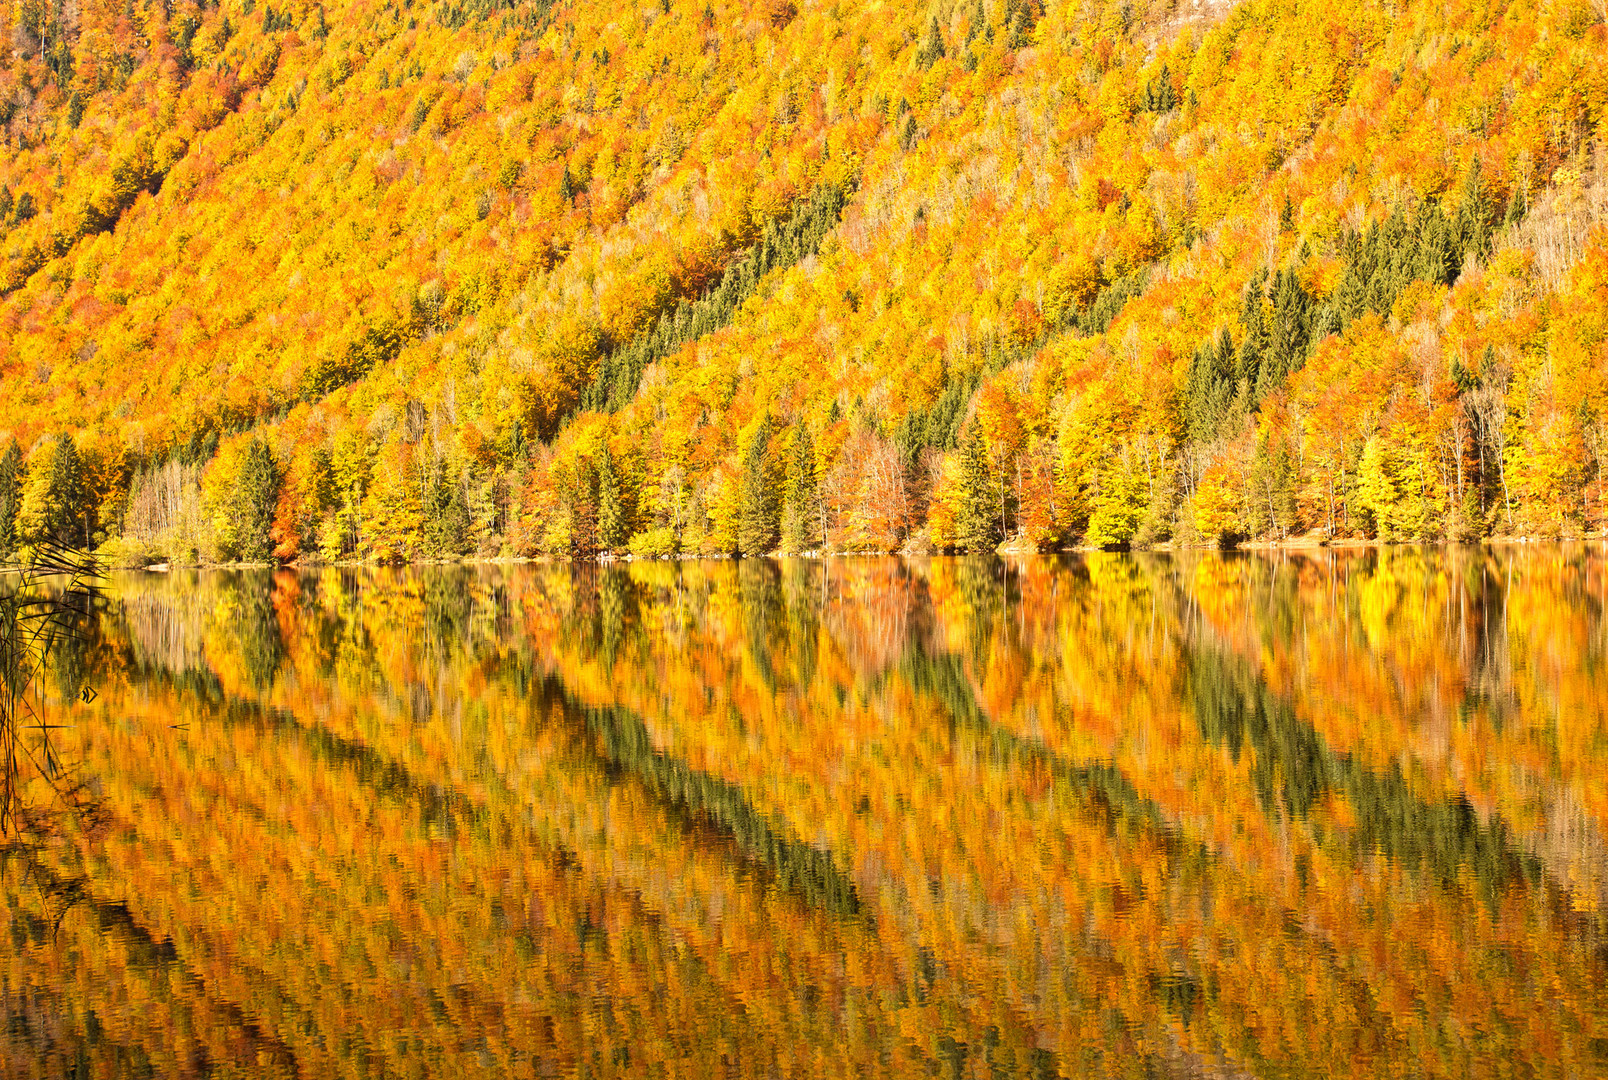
{"x":1337,"y":813}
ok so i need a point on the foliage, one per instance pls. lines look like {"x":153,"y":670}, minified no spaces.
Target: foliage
{"x":421,"y":254}
{"x":685,"y":815}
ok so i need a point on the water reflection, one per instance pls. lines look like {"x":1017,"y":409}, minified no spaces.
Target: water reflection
{"x":1119,"y":815}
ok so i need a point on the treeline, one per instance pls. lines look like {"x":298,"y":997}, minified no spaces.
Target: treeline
{"x":1225,"y":458}
{"x":178,"y":507}
{"x":1238,"y":452}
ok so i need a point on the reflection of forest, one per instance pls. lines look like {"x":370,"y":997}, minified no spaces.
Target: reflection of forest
{"x":1295,"y":815}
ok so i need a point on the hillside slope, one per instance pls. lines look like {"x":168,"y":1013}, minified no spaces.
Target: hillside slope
{"x":405,"y":280}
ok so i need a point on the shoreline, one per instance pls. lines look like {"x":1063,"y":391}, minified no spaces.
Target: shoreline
{"x":1302,"y":544}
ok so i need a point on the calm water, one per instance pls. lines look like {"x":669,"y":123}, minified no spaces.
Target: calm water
{"x":1339,"y":815}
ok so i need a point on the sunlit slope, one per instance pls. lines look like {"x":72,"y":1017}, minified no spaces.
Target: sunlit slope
{"x":407,"y":243}
{"x":333,"y":183}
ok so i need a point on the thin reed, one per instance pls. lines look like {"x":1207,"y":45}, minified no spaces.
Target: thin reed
{"x":45,"y":606}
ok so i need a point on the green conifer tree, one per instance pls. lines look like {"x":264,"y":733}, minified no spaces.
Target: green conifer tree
{"x":64,"y":519}
{"x":757,"y":525}
{"x":611,"y":523}
{"x":11,"y":478}
{"x":1518,"y":206}
{"x":802,"y":495}
{"x":1474,"y":214}
{"x":1209,"y":389}
{"x":978,"y":526}
{"x":1248,"y":365}
{"x":1289,"y":333}
{"x":931,"y":49}
{"x":446,"y":512}
{"x":256,"y":493}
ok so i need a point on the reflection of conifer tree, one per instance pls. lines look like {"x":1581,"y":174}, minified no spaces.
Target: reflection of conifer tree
{"x":613,"y":589}
{"x":447,"y":606}
{"x":802,"y":595}
{"x":1293,"y":770}
{"x":256,"y":629}
{"x":758,"y":582}
{"x":69,"y":660}
{"x":979,"y":582}
{"x":703,"y":799}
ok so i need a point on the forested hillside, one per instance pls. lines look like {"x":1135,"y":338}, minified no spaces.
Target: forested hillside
{"x":407,"y":279}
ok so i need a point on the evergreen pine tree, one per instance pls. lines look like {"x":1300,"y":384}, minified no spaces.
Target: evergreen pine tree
{"x":11,"y":477}
{"x":1209,"y":389}
{"x":256,"y":493}
{"x":1518,"y":206}
{"x":65,"y":494}
{"x":1438,"y":254}
{"x":977,"y":526}
{"x":1474,"y":214}
{"x":1159,"y":95}
{"x":611,"y":530}
{"x":1288,"y":334}
{"x":801,"y":497}
{"x":757,"y":525}
{"x":446,"y":512}
{"x":931,"y":49}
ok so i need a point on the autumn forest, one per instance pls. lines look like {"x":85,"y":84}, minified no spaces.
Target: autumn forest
{"x":354,"y":280}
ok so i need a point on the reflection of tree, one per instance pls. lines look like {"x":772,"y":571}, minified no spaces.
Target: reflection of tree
{"x":1294,"y":770}
{"x":136,"y":947}
{"x":796,"y":867}
{"x":445,"y":610}
{"x":1093,"y":795}
{"x":254,"y":627}
{"x":765,"y":618}
{"x":613,"y":589}
{"x":801,"y":597}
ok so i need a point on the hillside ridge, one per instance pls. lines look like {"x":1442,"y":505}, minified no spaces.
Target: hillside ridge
{"x":399,"y":280}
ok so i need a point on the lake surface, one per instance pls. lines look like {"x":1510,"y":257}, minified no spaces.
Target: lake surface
{"x":1337,"y":814}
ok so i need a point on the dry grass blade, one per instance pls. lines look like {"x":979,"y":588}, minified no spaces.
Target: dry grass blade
{"x":45,"y":604}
